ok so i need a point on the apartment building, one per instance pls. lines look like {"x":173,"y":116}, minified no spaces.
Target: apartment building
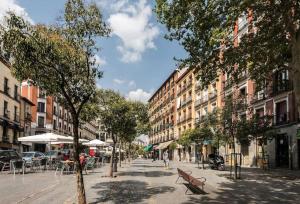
{"x":162,"y":113}
{"x":206,"y":101}
{"x":277,"y":99}
{"x":48,"y":115}
{"x":10,"y":125}
{"x":185,"y":110}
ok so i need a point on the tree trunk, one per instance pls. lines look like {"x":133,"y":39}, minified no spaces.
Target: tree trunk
{"x":111,"y":174}
{"x":115,"y":165}
{"x":129,"y":152}
{"x":120,"y":145}
{"x":235,"y":159}
{"x":296,"y":69}
{"x":80,"y":184}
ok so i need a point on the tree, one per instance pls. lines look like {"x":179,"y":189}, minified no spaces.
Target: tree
{"x":117,"y":116}
{"x":60,"y":59}
{"x":234,"y":124}
{"x":261,"y":130}
{"x":205,"y":29}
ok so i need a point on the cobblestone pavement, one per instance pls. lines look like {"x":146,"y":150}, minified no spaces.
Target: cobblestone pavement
{"x":144,"y":181}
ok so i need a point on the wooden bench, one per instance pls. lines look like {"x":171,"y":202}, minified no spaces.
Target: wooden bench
{"x":193,"y":183}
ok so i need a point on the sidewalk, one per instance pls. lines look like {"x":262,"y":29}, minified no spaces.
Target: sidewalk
{"x":255,"y":185}
{"x":145,"y":181}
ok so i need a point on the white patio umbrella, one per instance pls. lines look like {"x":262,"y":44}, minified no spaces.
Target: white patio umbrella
{"x":45,"y":138}
{"x":70,"y":142}
{"x":94,"y":143}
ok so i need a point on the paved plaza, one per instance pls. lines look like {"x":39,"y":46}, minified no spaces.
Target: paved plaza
{"x":144,"y":181}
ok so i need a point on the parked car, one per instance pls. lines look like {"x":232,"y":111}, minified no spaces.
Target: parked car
{"x":8,"y":155}
{"x":29,"y":156}
{"x":53,"y":154}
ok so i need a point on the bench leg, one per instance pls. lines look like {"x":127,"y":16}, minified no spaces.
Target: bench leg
{"x":187,"y":189}
{"x":177,"y":179}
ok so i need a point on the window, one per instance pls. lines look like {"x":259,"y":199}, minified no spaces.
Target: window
{"x":281,"y":81}
{"x":41,"y":122}
{"x":4,"y":134}
{"x":6,"y":88}
{"x":16,"y":92}
{"x":281,"y":112}
{"x":54,"y":110}
{"x":5,"y":110}
{"x":41,"y":107}
{"x":54,"y":124}
{"x":15,"y":136}
{"x":59,"y":124}
{"x":15,"y":114}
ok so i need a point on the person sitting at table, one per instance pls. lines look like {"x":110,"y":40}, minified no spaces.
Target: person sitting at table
{"x":67,"y":156}
{"x":59,"y":156}
{"x":82,"y":159}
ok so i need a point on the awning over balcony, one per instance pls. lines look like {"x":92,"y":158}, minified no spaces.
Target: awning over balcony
{"x":164,"y":145}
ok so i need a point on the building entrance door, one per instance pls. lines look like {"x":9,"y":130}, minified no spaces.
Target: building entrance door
{"x":282,"y":151}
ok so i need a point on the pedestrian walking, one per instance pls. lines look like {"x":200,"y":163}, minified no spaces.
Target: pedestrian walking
{"x":166,"y":158}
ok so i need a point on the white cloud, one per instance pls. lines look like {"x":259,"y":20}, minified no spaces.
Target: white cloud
{"x":139,"y":95}
{"x":119,"y":81}
{"x":99,"y":61}
{"x":131,"y":23}
{"x":12,"y":5}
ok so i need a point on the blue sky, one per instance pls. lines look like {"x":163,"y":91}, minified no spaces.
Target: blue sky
{"x":136,"y":59}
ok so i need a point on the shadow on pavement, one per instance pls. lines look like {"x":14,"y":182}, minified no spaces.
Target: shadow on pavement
{"x":128,"y":191}
{"x":146,"y":173}
{"x":254,"y":191}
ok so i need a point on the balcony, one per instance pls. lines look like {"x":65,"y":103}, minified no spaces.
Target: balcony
{"x":258,"y":97}
{"x":198,"y":102}
{"x":281,"y":86}
{"x":28,"y":117}
{"x":204,"y":98}
{"x":212,"y":95}
{"x":227,"y":84}
{"x":197,"y":87}
{"x":41,"y":110}
{"x":17,"y":118}
{"x":243,"y":76}
{"x":280,"y":118}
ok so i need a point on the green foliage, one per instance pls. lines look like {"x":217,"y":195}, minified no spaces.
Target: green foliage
{"x":60,"y":58}
{"x":117,"y":115}
{"x":140,"y":110}
{"x":173,"y":145}
{"x":185,"y":138}
{"x":206,"y":27}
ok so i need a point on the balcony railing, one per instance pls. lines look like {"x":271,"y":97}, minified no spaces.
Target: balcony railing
{"x":28,"y":117}
{"x":281,"y":118}
{"x":281,"y":86}
{"x":212,"y":94}
{"x":198,"y":102}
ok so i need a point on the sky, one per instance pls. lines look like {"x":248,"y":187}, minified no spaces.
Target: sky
{"x":135,"y":59}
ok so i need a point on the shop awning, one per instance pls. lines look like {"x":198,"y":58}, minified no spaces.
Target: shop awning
{"x":164,"y":145}
{"x":148,"y":148}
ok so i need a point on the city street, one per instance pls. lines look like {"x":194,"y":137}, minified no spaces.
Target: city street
{"x":144,"y":181}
